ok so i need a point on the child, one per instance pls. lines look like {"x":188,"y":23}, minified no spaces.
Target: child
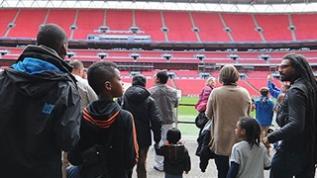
{"x":264,"y":112}
{"x":249,"y":157}
{"x":107,"y":145}
{"x":176,"y":157}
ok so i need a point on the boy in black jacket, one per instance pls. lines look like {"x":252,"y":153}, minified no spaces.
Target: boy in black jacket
{"x":108,"y":145}
{"x":176,"y":157}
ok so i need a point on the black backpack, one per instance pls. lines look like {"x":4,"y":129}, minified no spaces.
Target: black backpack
{"x":96,"y":160}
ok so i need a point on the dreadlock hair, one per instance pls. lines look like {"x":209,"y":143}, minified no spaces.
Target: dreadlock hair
{"x":305,"y":72}
{"x":252,"y":130}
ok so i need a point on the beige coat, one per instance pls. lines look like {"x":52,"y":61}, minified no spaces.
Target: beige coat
{"x":225,"y":106}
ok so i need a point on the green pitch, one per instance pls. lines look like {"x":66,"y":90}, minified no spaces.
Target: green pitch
{"x":188,"y":114}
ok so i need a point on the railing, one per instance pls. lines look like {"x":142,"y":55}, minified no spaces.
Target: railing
{"x":184,"y":122}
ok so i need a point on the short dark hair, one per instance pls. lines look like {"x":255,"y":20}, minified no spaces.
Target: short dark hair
{"x":51,"y":35}
{"x":162,"y":76}
{"x":264,"y":91}
{"x":139,"y":80}
{"x":173,"y":135}
{"x":76,"y":64}
{"x":99,"y":73}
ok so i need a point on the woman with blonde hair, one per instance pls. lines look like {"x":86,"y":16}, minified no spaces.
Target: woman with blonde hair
{"x":201,"y":119}
{"x":226,"y":105}
{"x":204,"y":95}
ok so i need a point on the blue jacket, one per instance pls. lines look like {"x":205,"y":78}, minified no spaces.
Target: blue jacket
{"x":274,"y":91}
{"x":264,"y":111}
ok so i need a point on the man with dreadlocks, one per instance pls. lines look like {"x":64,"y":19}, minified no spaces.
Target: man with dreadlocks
{"x":296,"y":153}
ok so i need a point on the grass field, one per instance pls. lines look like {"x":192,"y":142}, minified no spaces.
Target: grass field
{"x":188,"y":113}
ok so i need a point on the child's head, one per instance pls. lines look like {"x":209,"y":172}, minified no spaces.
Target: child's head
{"x":249,"y":130}
{"x":173,"y":135}
{"x":104,"y":78}
{"x":264,"y":91}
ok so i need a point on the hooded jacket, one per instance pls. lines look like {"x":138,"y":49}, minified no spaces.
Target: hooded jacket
{"x":176,"y":158}
{"x":138,"y":101}
{"x":39,"y":114}
{"x":103,"y":120}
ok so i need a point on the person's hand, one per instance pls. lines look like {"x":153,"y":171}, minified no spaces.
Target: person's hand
{"x":266,"y":141}
{"x":269,"y":77}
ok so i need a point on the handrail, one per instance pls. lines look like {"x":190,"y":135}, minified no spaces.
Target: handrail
{"x":183,"y":122}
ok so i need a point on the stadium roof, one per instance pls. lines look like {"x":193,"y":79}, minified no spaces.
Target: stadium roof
{"x":234,"y":1}
{"x":243,"y":6}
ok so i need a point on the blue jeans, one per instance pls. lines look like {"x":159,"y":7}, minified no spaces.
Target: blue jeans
{"x":286,"y":164}
{"x":72,"y":172}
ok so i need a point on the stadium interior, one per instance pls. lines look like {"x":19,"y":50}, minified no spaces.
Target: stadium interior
{"x":190,"y":44}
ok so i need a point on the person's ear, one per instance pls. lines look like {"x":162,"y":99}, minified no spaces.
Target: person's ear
{"x":63,"y":51}
{"x":108,"y":85}
{"x":243,"y":132}
{"x":157,"y":80}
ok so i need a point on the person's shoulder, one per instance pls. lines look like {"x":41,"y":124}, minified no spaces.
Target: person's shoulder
{"x":81,"y":80}
{"x":185,"y":148}
{"x":257,"y":100}
{"x":263,"y":148}
{"x":242,"y":89}
{"x":67,"y":84}
{"x":153,"y":89}
{"x":125,"y":114}
{"x":297,"y":87}
{"x":240,"y":145}
{"x":217,"y":89}
{"x":125,"y":119}
{"x":170,"y":88}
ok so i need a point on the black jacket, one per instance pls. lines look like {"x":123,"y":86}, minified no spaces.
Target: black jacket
{"x":292,"y":119}
{"x":39,"y":117}
{"x":146,"y":115}
{"x":103,"y":120}
{"x":176,"y":158}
